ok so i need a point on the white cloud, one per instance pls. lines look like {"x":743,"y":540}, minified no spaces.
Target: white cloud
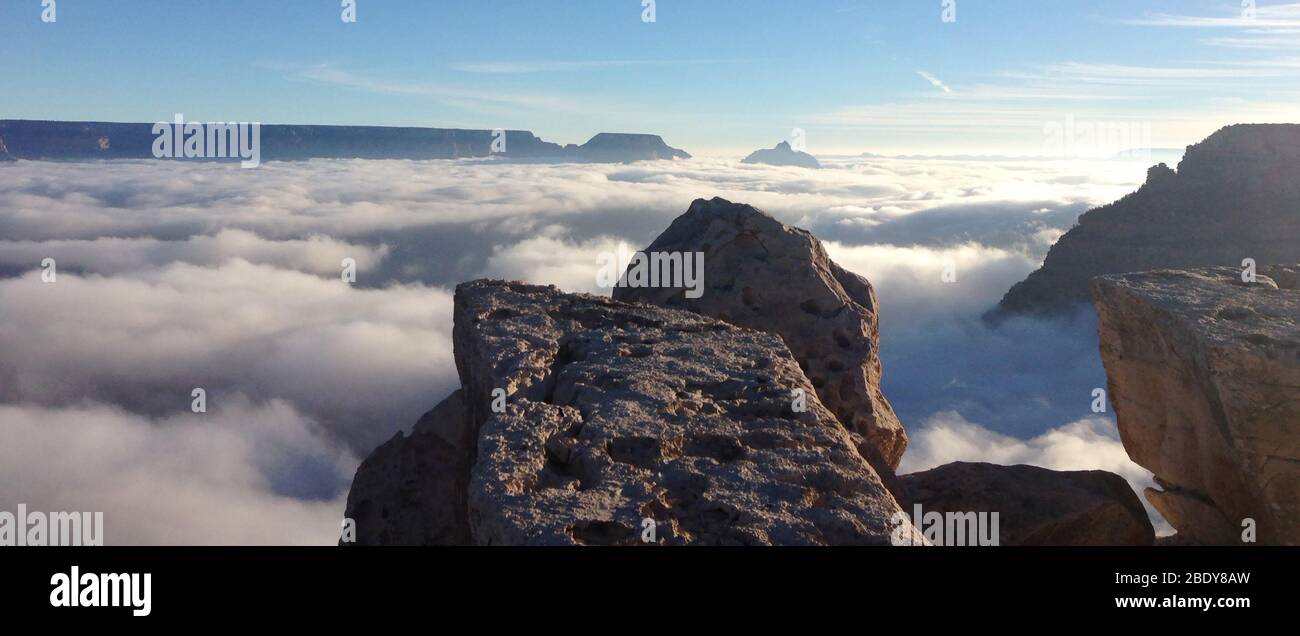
{"x":911,"y":280}
{"x":365,"y":362}
{"x":175,"y":275}
{"x":111,"y":255}
{"x":351,"y":200}
{"x":551,"y":261}
{"x":224,"y":477}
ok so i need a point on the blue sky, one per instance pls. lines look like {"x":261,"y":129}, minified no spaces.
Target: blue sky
{"x":711,"y":76}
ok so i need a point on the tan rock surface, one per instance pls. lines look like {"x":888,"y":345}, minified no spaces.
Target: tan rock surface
{"x":763,"y":274}
{"x":617,"y":413}
{"x":613,"y":414}
{"x":1204,"y":374}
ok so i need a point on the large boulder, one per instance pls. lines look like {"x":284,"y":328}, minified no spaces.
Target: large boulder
{"x":763,"y":274}
{"x":1234,"y":196}
{"x":589,"y":417}
{"x":1035,"y":506}
{"x":1204,"y":374}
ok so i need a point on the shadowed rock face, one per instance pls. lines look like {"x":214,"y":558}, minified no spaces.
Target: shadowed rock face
{"x":762,"y":274}
{"x":783,"y":155}
{"x":1035,"y":506}
{"x":1204,"y":375}
{"x":1236,"y":195}
{"x":411,"y":490}
{"x":616,"y":413}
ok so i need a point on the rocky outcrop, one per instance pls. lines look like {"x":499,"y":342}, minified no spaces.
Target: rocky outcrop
{"x":4,"y":152}
{"x":1035,"y":506}
{"x":1204,"y":375}
{"x":748,"y":413}
{"x":1234,"y":196}
{"x":783,"y":155}
{"x":609,"y":414}
{"x":105,"y":140}
{"x":762,"y":274}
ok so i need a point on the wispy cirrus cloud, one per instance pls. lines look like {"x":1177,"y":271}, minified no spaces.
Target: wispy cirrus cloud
{"x":564,"y":66}
{"x":1262,"y":27}
{"x":936,"y":82}
{"x":1252,"y":17}
{"x":1181,"y":100}
{"x":459,"y":96}
{"x":1259,"y":43}
{"x":1181,"y":103}
{"x":1074,"y":73}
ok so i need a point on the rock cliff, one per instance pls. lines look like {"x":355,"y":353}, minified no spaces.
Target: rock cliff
{"x":1236,"y":195}
{"x":609,"y":414}
{"x":1204,"y":375}
{"x":763,"y":274}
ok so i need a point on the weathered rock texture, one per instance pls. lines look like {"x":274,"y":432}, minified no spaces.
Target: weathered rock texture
{"x":1204,"y":375}
{"x":1236,"y":195}
{"x":762,"y":274}
{"x":1035,"y":506}
{"x":615,"y":413}
{"x":783,"y":155}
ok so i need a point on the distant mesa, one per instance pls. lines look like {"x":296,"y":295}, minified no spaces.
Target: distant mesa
{"x":60,"y":140}
{"x":620,"y":147}
{"x":1235,"y":195}
{"x":783,"y":155}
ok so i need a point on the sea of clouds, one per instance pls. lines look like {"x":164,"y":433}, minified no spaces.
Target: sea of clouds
{"x":175,"y":275}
